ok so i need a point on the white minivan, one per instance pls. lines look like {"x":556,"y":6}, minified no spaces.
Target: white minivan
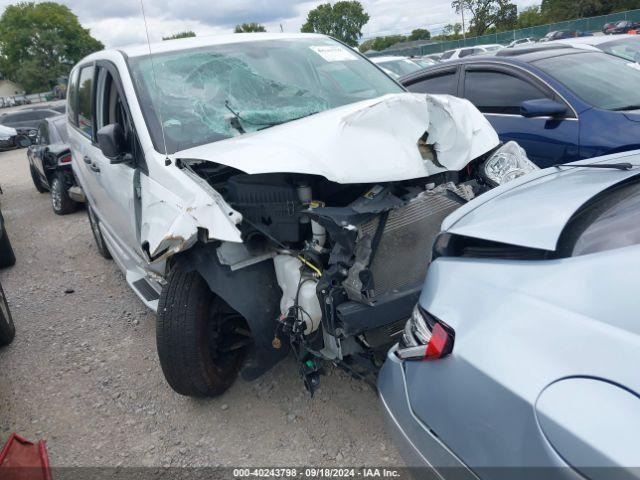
{"x":270,"y":193}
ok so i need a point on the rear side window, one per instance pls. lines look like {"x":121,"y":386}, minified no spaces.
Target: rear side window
{"x":446,"y":55}
{"x":611,"y":221}
{"x":446,"y":82}
{"x":85,"y":105}
{"x":497,"y":92}
{"x":72,"y":98}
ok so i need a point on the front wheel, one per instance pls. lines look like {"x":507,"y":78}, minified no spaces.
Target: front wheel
{"x":60,"y":199}
{"x":7,"y":328}
{"x":201,"y":341}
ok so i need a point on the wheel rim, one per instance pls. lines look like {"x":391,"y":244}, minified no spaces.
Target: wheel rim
{"x":56,"y":195}
{"x":228,"y":336}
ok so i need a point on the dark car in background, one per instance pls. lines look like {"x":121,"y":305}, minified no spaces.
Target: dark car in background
{"x":50,"y":165}
{"x":623,"y":26}
{"x":26,"y":121}
{"x":607,"y":26}
{"x":559,"y":103}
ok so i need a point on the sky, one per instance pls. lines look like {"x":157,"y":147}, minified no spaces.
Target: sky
{"x":120,"y":22}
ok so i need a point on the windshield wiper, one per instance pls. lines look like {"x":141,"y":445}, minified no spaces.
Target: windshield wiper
{"x":235,"y":122}
{"x":617,"y":166}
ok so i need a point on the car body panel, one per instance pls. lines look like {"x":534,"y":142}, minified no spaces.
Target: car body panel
{"x":518,"y":217}
{"x":535,"y":302}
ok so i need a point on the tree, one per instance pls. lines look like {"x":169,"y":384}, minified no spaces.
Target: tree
{"x":40,"y":42}
{"x":185,"y":34}
{"x":530,"y":17}
{"x":250,"y":27}
{"x":419,"y":34}
{"x":342,"y":20}
{"x":487,"y":13}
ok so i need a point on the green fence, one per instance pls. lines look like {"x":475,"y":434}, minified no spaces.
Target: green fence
{"x":592,"y":24}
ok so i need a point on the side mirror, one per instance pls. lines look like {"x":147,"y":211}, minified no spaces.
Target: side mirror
{"x":542,"y":107}
{"x":112,"y":142}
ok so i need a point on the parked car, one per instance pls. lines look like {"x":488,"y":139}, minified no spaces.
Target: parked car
{"x":50,"y":165}
{"x":7,"y":256}
{"x":396,"y":67}
{"x":559,"y":103}
{"x":7,"y":327}
{"x":267,"y":192}
{"x":623,"y":26}
{"x":522,"y":41}
{"x":608,"y":26}
{"x":623,"y":46}
{"x":432,"y":56}
{"x":559,"y":35}
{"x":10,"y":139}
{"x":26,"y":121}
{"x":527,"y":283}
{"x":467,"y":51}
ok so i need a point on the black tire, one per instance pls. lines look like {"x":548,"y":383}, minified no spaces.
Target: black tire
{"x":7,"y":257}
{"x":202,"y":343}
{"x":36,"y":180}
{"x":97,"y":234}
{"x":60,"y":201}
{"x":7,"y":328}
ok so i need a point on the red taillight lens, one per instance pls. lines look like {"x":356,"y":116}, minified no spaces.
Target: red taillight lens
{"x":425,"y":337}
{"x":65,"y":159}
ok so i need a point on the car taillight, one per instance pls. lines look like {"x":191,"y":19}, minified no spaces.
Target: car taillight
{"x":66,"y":158}
{"x":425,"y":337}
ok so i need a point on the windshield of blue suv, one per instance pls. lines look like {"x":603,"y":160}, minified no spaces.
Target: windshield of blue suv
{"x":211,"y":93}
{"x":601,"y":80}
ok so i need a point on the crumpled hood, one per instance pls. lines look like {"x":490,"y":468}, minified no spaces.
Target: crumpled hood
{"x":532,"y":210}
{"x":369,"y":141}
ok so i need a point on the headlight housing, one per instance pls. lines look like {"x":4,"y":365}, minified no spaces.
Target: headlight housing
{"x":507,"y":163}
{"x":33,"y":133}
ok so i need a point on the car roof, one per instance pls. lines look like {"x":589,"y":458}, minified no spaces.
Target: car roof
{"x":523,"y":56}
{"x":205,"y":41}
{"x":596,"y":39}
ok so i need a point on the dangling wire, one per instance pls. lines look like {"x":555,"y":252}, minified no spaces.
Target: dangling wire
{"x":155,"y":81}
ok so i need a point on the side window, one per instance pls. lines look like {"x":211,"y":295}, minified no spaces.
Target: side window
{"x":466,"y":52}
{"x":446,"y":82}
{"x":72,"y":98}
{"x":496,"y":92}
{"x":85,"y":106}
{"x":447,"y":55}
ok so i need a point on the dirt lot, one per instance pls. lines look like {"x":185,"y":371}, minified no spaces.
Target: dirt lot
{"x":83,"y":374}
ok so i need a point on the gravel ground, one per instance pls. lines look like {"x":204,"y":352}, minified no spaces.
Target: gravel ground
{"x":83,"y":374}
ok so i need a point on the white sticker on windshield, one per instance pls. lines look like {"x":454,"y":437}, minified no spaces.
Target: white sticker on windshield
{"x":334,"y":53}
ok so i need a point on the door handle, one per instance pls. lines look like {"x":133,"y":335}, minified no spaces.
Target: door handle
{"x":87,"y":160}
{"x":94,"y":168}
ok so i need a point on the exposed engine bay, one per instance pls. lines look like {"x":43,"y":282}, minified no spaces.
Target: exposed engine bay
{"x":350,"y":259}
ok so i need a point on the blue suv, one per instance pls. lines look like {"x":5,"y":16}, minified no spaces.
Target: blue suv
{"x":559,"y":103}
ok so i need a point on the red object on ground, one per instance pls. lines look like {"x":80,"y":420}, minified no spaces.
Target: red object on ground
{"x":22,"y":459}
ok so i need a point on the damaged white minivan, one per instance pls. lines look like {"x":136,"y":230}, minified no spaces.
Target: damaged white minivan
{"x":269,"y":193}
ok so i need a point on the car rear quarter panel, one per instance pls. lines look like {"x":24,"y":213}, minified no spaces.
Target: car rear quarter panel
{"x":521,"y":326}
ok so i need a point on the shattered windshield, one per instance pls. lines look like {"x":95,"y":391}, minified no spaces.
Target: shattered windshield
{"x":211,"y":93}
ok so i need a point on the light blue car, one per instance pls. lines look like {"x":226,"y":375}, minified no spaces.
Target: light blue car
{"x":522,"y":357}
